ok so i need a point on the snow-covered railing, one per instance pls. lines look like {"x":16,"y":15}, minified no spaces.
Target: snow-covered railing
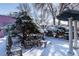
{"x":26,"y":20}
{"x":35,"y":35}
{"x":16,"y":51}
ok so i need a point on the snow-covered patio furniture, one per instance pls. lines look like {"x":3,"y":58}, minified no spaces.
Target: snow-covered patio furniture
{"x":56,"y":31}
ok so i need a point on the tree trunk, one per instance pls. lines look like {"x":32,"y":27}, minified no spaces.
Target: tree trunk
{"x":54,"y":21}
{"x":59,"y":22}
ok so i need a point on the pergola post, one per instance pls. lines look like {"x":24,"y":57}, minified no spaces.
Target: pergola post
{"x":75,"y":34}
{"x":70,"y":52}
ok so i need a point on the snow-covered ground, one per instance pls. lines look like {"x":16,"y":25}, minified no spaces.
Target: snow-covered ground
{"x":54,"y":47}
{"x":3,"y":46}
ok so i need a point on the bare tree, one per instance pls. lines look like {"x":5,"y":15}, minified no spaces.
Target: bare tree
{"x":23,"y":7}
{"x":41,"y":12}
{"x":53,"y":11}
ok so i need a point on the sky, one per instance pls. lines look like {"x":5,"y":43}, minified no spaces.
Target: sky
{"x":6,"y":8}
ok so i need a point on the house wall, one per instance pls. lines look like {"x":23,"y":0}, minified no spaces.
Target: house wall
{"x":1,"y":33}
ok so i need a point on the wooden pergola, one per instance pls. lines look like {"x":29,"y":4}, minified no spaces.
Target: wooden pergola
{"x":70,"y":15}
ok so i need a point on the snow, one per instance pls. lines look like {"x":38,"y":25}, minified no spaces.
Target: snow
{"x":3,"y":46}
{"x":54,"y":47}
